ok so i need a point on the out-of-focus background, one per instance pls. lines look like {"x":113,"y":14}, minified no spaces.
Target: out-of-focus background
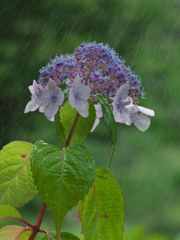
{"x":147,"y":35}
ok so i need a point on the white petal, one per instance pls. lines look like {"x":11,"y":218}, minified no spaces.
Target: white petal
{"x":50,"y":112}
{"x":82,"y":108}
{"x":146,"y":111}
{"x":78,"y":100}
{"x":96,"y":123}
{"x":122,"y":92}
{"x":80,"y":90}
{"x":123,"y":117}
{"x":99,"y":115}
{"x":31,"y":106}
{"x":60,"y":98}
{"x":141,"y":121}
{"x":98,"y":109}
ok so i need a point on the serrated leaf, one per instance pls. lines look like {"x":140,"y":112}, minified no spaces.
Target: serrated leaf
{"x":108,"y":119}
{"x":68,"y":236}
{"x":65,"y":121}
{"x":16,"y":183}
{"x":11,"y":232}
{"x":102,"y":211}
{"x":62,"y":177}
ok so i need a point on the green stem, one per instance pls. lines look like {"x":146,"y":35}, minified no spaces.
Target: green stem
{"x":66,"y":144}
{"x":58,"y":232}
{"x":109,"y":165}
{"x":71,"y":131}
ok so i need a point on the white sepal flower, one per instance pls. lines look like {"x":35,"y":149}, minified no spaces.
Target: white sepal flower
{"x":126,"y":112}
{"x":78,"y":97}
{"x":141,"y":117}
{"x":120,"y":103}
{"x":53,"y":99}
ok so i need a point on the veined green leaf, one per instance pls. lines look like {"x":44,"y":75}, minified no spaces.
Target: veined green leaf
{"x":16,"y":183}
{"x":102,"y":211}
{"x":62,"y":177}
{"x":68,"y":118}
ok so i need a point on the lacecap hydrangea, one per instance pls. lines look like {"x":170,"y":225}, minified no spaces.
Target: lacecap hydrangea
{"x":94,"y":69}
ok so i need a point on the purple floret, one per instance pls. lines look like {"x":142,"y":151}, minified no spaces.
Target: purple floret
{"x":59,"y":69}
{"x":104,"y":71}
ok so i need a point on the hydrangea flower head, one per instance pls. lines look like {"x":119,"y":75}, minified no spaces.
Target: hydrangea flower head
{"x":93,"y":69}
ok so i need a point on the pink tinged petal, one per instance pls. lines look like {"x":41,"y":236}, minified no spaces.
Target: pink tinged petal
{"x":99,"y":115}
{"x":141,"y":121}
{"x":31,"y":106}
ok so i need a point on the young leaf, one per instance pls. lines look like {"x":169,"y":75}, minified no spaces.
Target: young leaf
{"x":11,"y":232}
{"x":109,"y":119}
{"x":102,"y":211}
{"x":66,"y":119}
{"x":62,"y":178}
{"x":16,"y":183}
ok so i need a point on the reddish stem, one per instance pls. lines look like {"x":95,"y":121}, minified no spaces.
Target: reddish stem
{"x":37,"y":225}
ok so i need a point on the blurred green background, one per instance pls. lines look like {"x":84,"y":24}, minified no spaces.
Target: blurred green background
{"x":146,"y":33}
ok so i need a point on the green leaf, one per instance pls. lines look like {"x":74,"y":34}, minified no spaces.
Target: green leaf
{"x":102,"y":211}
{"x":25,"y":236}
{"x":11,"y":232}
{"x":16,"y":183}
{"x":68,"y":236}
{"x":65,"y":121}
{"x":62,"y":177}
{"x":9,"y":211}
{"x":6,"y":212}
{"x":109,"y":119}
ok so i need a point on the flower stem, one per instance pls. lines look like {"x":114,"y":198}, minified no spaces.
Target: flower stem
{"x":37,"y":225}
{"x":109,"y":165}
{"x":58,"y":232}
{"x":71,"y":131}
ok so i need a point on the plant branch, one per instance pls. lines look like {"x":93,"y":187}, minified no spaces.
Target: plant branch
{"x":18,"y":220}
{"x":37,"y":225}
{"x":72,"y":129}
